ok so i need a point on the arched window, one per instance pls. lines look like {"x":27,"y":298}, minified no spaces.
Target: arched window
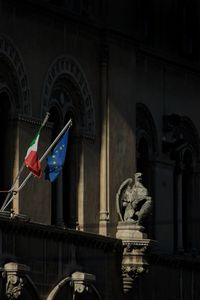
{"x":66,"y":88}
{"x":146,"y":143}
{"x":182,"y":144}
{"x":184,"y":200}
{"x":14,"y":100}
{"x":7,"y":144}
{"x":64,"y":188}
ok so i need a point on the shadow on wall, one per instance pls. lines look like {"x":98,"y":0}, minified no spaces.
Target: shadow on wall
{"x":8,"y":140}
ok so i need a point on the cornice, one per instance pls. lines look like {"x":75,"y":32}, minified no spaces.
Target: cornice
{"x":93,"y":27}
{"x":169,"y":60}
{"x":174,"y":261}
{"x":24,"y":227}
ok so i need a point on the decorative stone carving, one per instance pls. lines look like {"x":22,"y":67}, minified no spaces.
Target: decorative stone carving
{"x":133,"y":202}
{"x":135,"y":244}
{"x":133,"y":206}
{"x":14,"y":286}
{"x":14,"y":280}
{"x":81,"y":281}
{"x":129,"y":274}
{"x":179,"y":133}
{"x":10,"y":52}
{"x":67,"y":67}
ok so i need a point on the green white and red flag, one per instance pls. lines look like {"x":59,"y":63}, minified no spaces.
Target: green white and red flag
{"x":31,"y":160}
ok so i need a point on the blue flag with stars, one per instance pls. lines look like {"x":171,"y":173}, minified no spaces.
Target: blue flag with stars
{"x":56,"y":160}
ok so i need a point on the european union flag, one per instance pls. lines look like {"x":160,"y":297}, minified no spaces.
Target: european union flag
{"x":56,"y":160}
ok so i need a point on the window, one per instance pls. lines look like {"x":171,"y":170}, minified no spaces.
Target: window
{"x":6,"y":157}
{"x":146,"y":141}
{"x":64,"y":188}
{"x":182,"y":145}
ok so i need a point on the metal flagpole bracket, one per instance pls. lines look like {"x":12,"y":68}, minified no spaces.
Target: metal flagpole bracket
{"x":12,"y":215}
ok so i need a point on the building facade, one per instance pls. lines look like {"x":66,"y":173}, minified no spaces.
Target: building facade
{"x":127,"y":74}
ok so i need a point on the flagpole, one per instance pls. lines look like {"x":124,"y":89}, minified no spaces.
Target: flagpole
{"x":67,"y":126}
{"x":8,"y":202}
{"x":21,"y":169}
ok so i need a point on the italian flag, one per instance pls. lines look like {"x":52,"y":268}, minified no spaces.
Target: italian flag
{"x":32,"y":161}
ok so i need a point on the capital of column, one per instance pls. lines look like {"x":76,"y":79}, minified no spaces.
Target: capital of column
{"x":104,"y":215}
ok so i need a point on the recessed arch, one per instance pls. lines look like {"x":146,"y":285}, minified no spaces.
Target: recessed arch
{"x":66,"y":74}
{"x":14,"y":75}
{"x":146,"y":143}
{"x":183,"y":149}
{"x":8,"y":138}
{"x":147,"y":151}
{"x":66,"y":89}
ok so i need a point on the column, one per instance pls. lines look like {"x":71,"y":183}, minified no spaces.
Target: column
{"x":80,"y":208}
{"x":59,"y":200}
{"x":104,"y":152}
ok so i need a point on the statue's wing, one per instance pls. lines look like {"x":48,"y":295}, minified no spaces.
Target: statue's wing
{"x":119,"y":195}
{"x":145,"y":210}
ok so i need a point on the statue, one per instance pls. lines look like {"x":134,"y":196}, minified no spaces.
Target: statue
{"x":133,"y":202}
{"x":133,"y":207}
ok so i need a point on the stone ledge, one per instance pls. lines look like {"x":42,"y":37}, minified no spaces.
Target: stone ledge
{"x":7,"y":224}
{"x":175,"y":261}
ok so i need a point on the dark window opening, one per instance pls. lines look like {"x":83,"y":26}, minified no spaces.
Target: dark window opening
{"x":64,"y":188}
{"x":144,"y":167}
{"x":5,"y":161}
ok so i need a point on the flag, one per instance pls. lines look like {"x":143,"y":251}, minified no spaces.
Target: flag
{"x":56,"y":160}
{"x":31,"y":159}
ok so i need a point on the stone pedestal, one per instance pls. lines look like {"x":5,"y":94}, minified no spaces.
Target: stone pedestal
{"x":135,"y":244}
{"x":130,"y":231}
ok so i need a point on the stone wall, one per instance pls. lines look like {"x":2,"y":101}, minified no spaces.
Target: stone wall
{"x":53,"y":254}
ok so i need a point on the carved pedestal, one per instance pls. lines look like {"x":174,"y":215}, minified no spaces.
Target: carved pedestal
{"x":135,"y":243}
